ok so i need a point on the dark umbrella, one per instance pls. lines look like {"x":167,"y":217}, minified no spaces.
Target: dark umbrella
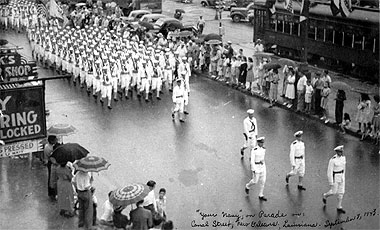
{"x":185,"y":33}
{"x":214,"y":42}
{"x":263,"y":54}
{"x":340,"y":85}
{"x":272,"y":65}
{"x":146,"y":25}
{"x":286,"y":61}
{"x":69,"y":152}
{"x":180,"y":11}
{"x":209,"y":37}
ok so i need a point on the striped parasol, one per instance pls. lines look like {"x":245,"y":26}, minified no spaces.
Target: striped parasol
{"x":91,"y":164}
{"x":61,"y":130}
{"x":129,"y":194}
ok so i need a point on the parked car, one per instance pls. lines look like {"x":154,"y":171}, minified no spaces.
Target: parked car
{"x":135,"y":15}
{"x":242,"y":13}
{"x":152,"y":18}
{"x":225,"y":4}
{"x":164,"y":25}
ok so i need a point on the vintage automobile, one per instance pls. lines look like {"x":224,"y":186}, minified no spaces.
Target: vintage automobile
{"x":242,"y":13}
{"x":135,"y":15}
{"x":164,"y":25}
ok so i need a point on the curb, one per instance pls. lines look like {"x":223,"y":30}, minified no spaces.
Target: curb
{"x":310,"y":116}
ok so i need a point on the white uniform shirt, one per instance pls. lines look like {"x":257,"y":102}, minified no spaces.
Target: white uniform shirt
{"x":108,"y":211}
{"x":297,"y":149}
{"x":257,"y":159}
{"x":336,"y":164}
{"x":177,"y":94}
{"x":250,"y":127}
{"x":82,"y":180}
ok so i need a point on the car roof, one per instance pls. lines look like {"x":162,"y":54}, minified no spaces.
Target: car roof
{"x":141,"y":11}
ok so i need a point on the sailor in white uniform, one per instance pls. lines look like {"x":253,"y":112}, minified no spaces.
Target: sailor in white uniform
{"x":297,"y":159}
{"x":250,"y":131}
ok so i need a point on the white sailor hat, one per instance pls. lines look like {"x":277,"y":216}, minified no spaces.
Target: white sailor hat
{"x":184,"y":58}
{"x":183,"y":72}
{"x":260,"y":139}
{"x":250,"y":111}
{"x":298,"y":133}
{"x":167,"y":49}
{"x":339,"y":148}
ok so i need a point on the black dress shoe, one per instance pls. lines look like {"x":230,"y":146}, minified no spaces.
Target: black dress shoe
{"x":341,"y":210}
{"x":287,"y":179}
{"x":323,"y":199}
{"x":262,"y":198}
{"x":158,"y":98}
{"x":126,"y":97}
{"x":186,"y":112}
{"x":182,"y":120}
{"x":146,"y":100}
{"x":246,"y":190}
{"x":115,"y":99}
{"x":300,"y":187}
{"x":101,"y":101}
{"x":242,"y":152}
{"x":109,"y":107}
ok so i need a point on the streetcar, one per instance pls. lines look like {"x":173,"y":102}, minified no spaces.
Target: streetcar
{"x":348,"y":45}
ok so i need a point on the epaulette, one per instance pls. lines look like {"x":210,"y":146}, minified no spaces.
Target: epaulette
{"x":333,"y":157}
{"x":295,"y":142}
{"x":255,"y":148}
{"x":263,"y":147}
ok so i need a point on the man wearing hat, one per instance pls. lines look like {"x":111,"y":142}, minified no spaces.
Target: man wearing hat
{"x":250,"y":132}
{"x":297,"y":159}
{"x":178,"y":100}
{"x":336,"y":176}
{"x":258,"y":168}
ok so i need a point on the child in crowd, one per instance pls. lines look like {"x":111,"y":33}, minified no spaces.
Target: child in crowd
{"x":346,"y":124}
{"x":308,"y":96}
{"x":161,"y":203}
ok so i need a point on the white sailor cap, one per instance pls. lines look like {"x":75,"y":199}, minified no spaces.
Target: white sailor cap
{"x":260,"y":139}
{"x":298,"y":133}
{"x":183,"y":72}
{"x":250,"y":111}
{"x":339,"y":148}
{"x":184,"y":58}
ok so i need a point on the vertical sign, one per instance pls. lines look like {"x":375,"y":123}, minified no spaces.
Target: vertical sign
{"x":23,"y":113}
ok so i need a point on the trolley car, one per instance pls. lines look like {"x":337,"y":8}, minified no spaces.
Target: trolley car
{"x":349,"y":45}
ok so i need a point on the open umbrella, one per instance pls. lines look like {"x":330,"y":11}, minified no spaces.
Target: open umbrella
{"x":209,"y":37}
{"x":272,"y":65}
{"x":180,"y":11}
{"x":214,"y":42}
{"x":286,"y":61}
{"x":91,"y":164}
{"x":263,"y":54}
{"x":369,"y":91}
{"x":146,"y":25}
{"x":69,"y":152}
{"x":129,"y":194}
{"x":340,"y":85}
{"x":61,"y":130}
{"x":80,"y":4}
{"x":185,"y":33}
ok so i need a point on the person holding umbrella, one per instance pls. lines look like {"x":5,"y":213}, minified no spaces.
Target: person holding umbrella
{"x":65,"y":191}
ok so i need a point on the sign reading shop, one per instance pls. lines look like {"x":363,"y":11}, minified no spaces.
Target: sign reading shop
{"x":23,"y":114}
{"x":13,"y":65}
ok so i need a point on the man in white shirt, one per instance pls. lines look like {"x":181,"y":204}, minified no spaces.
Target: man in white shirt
{"x":301,"y":88}
{"x":82,"y":182}
{"x":258,"y":168}
{"x":250,"y":132}
{"x":150,"y":200}
{"x":297,"y":160}
{"x":178,"y":100}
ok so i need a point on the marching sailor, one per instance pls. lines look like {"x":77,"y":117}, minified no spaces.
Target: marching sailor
{"x":297,"y":159}
{"x":250,"y":132}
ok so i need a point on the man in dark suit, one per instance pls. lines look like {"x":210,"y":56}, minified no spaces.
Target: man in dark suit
{"x":141,"y":218}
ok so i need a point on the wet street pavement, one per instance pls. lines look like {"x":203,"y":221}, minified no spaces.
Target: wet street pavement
{"x":198,"y":162}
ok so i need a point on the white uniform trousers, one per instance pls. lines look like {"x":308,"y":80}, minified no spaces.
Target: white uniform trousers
{"x":76,"y":71}
{"x":64,"y":65}
{"x":69,"y":67}
{"x":114,"y":83}
{"x":338,"y":186}
{"x":156,"y":83}
{"x":82,"y":75}
{"x":299,"y":169}
{"x":106,"y":91}
{"x":144,"y":85}
{"x":58,"y":61}
{"x":179,"y":105}
{"x":260,"y":177}
{"x":249,"y":141}
{"x":96,"y":85}
{"x":89,"y":79}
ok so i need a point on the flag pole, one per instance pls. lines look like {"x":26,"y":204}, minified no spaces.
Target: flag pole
{"x":304,"y":29}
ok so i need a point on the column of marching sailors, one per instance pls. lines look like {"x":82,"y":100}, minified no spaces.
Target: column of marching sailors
{"x":110,"y":63}
{"x":335,"y":172}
